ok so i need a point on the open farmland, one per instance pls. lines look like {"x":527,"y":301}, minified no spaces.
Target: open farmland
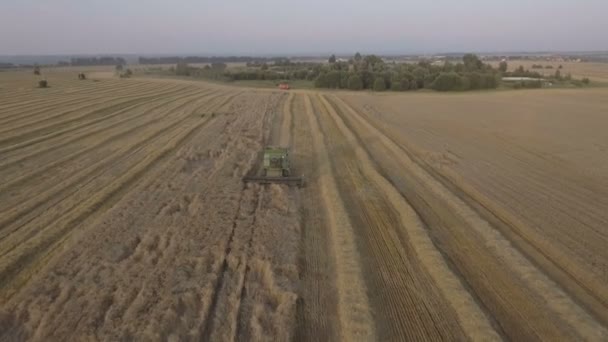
{"x":593,"y":70}
{"x":425,"y":216}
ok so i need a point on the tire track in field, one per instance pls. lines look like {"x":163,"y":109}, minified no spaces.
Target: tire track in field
{"x":223,"y":324}
{"x":235,"y":256}
{"x":191,"y":311}
{"x":37,"y":176}
{"x":84,"y":136}
{"x":102,"y":113}
{"x":73,"y":138}
{"x":114,"y":111}
{"x":111,"y":161}
{"x":27,"y":115}
{"x":413,"y":286}
{"x":583,"y":288}
{"x":74,"y":104}
{"x":317,"y":304}
{"x":33,"y":99}
{"x":285,"y":140}
{"x":27,"y":104}
{"x":354,"y":315}
{"x":13,"y":275}
{"x":521,"y":269}
{"x":65,"y":188}
{"x":239,"y":329}
{"x":587,"y":290}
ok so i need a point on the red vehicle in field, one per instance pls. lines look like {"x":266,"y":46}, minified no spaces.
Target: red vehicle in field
{"x":284,"y":86}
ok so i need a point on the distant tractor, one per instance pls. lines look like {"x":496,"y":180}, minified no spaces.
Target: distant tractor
{"x":276,"y":168}
{"x":43,"y":84}
{"x":284,"y":86}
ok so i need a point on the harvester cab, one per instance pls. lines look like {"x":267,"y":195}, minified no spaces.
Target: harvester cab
{"x":276,"y":168}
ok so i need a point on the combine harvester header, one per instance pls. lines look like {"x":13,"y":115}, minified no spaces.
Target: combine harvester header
{"x":276,"y":168}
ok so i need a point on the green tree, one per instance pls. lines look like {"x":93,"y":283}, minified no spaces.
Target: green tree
{"x":447,"y":81}
{"x":218,"y":66}
{"x":558,"y":75}
{"x":379,"y":84}
{"x":374,"y":62}
{"x":420,"y":74}
{"x":358,"y":57}
{"x":490,"y":81}
{"x":586,"y":80}
{"x":447,"y":66}
{"x":328,"y":80}
{"x":332,"y":59}
{"x":333,"y":79}
{"x":264,"y":66}
{"x":503,"y":66}
{"x":182,"y":69}
{"x":355,"y":82}
{"x":400,"y":84}
{"x":475,"y":80}
{"x":472,"y":62}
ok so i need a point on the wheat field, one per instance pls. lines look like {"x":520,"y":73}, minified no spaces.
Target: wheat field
{"x":425,"y":216}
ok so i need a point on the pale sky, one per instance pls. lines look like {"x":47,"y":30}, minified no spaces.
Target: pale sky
{"x":260,"y":27}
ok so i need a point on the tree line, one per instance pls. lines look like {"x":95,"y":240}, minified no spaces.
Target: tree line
{"x":371,"y":72}
{"x":374,"y":73}
{"x":86,"y":61}
{"x":360,"y":72}
{"x":202,"y":59}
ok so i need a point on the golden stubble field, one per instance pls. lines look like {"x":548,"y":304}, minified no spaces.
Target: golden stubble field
{"x":426,"y":216}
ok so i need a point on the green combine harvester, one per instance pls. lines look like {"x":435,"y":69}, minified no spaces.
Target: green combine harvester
{"x":276,"y":168}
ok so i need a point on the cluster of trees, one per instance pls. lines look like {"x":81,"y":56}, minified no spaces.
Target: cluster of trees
{"x":374,"y":73}
{"x":539,"y":66}
{"x":360,"y":72}
{"x":214,"y":70}
{"x":200,"y":59}
{"x":371,"y":72}
{"x":7,"y":66}
{"x":82,"y":61}
{"x":521,"y":72}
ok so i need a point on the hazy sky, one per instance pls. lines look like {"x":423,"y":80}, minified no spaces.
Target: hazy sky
{"x":299,"y":27}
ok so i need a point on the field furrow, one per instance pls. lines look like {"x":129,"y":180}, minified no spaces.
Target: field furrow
{"x":48,"y":238}
{"x":70,"y":104}
{"x":353,"y":308}
{"x":443,"y":209}
{"x":93,"y":137}
{"x":35,"y":134}
{"x":75,"y":175}
{"x":420,"y":279}
{"x":51,"y":105}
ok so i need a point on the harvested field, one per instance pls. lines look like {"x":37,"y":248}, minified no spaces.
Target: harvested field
{"x":424,"y":217}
